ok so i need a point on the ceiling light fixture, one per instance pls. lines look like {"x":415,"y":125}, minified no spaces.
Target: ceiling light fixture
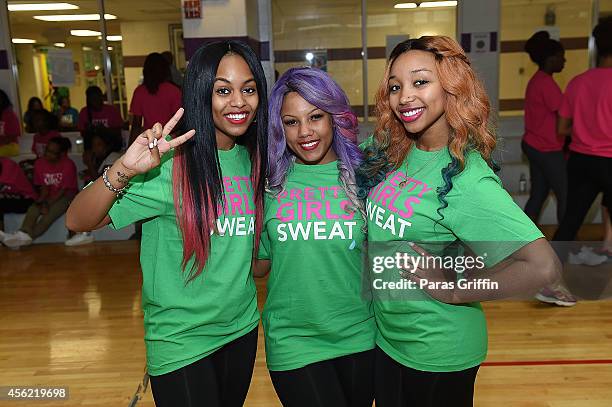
{"x":23,"y":41}
{"x":41,"y":7}
{"x":85,"y":33}
{"x":75,"y":17}
{"x":60,"y":44}
{"x":405,"y":5}
{"x":114,"y":38}
{"x":429,"y":4}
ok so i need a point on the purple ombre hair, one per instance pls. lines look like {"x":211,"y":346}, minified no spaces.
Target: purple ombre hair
{"x":320,"y":90}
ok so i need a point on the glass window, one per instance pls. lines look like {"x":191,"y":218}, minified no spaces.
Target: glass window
{"x":44,"y":66}
{"x":324,"y":34}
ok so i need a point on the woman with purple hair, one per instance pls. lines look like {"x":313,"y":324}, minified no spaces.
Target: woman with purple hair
{"x":319,"y":329}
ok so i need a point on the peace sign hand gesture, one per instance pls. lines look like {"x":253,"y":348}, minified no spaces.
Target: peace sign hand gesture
{"x":146,"y":151}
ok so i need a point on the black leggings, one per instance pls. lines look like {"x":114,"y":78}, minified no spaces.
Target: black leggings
{"x":588,"y":175}
{"x":547,"y":171}
{"x":346,"y":381}
{"x":13,"y":204}
{"x":221,"y":379}
{"x":401,"y":386}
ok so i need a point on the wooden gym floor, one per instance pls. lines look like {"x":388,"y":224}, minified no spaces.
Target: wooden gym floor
{"x":71,"y":317}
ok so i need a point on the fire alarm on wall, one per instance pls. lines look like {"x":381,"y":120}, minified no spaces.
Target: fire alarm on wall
{"x":192,"y":8}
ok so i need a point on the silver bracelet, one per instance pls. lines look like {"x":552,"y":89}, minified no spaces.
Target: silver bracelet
{"x":118,"y":191}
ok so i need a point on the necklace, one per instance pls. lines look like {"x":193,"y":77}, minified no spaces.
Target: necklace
{"x":402,"y":184}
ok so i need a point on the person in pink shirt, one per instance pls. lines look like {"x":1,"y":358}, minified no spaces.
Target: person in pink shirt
{"x":586,"y":114}
{"x":542,"y":145}
{"x":56,"y":176}
{"x":10,"y":129}
{"x":157,"y":99}
{"x":45,"y":127}
{"x":16,"y":192}
{"x":98,"y":114}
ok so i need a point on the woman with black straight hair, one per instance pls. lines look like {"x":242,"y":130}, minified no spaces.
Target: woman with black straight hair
{"x":157,"y":98}
{"x":200,"y":197}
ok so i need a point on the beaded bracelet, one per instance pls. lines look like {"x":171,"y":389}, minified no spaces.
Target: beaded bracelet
{"x":118,"y":191}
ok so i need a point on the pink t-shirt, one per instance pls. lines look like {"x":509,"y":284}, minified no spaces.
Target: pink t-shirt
{"x":57,"y":176}
{"x":10,"y":130}
{"x":108,"y":116}
{"x":13,"y":181}
{"x":588,"y":102}
{"x":159,"y":107}
{"x":542,"y":101}
{"x":41,"y":140}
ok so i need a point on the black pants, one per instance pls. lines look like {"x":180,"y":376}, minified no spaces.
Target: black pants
{"x":547,"y":171}
{"x":588,"y":175}
{"x":12,"y":204}
{"x":221,"y":379}
{"x":401,"y":386}
{"x":346,"y":381}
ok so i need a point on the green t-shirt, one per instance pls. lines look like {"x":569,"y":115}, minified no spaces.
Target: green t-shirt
{"x":186,"y":322}
{"x":314,"y":310}
{"x":429,"y":335}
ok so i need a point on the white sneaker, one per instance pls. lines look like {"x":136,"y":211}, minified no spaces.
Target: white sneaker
{"x":80,"y":239}
{"x":17,"y":239}
{"x":587,"y":257}
{"x":558,"y":296}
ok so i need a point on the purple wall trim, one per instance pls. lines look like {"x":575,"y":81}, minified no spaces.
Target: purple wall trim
{"x":3,"y":59}
{"x":261,"y":48}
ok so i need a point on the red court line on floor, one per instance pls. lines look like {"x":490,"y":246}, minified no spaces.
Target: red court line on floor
{"x":550,"y":362}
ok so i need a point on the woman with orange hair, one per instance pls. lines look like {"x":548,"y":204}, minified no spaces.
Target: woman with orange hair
{"x":428,"y":177}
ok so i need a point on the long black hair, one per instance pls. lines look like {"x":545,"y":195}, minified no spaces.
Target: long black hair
{"x":4,"y":101}
{"x":197,"y":174}
{"x":156,"y":71}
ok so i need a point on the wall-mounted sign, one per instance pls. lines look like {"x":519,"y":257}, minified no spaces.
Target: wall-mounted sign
{"x":192,"y":8}
{"x":60,"y":66}
{"x":479,"y":42}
